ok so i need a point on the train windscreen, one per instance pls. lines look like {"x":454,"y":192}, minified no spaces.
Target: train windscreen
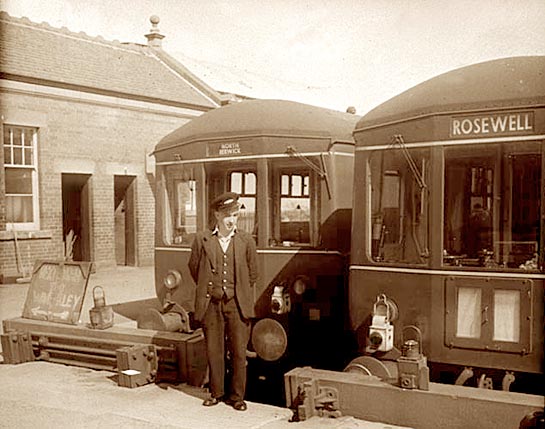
{"x":492,"y":206}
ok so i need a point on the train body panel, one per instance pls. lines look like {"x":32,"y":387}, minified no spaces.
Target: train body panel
{"x":426,"y":299}
{"x":449,"y":218}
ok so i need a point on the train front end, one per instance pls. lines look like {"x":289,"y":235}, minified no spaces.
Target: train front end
{"x":448,"y":228}
{"x":292,"y":166}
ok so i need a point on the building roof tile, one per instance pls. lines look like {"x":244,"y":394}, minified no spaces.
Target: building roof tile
{"x":39,"y":53}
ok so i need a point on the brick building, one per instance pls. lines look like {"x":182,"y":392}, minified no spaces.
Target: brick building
{"x":79,"y":117}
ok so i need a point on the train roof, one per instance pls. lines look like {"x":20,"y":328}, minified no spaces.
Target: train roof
{"x":264,"y":117}
{"x":501,"y":83}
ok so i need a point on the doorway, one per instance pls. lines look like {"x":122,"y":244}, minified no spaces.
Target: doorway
{"x":125,"y":220}
{"x":76,"y":216}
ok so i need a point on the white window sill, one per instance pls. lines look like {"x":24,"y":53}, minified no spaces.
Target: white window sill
{"x":26,"y":235}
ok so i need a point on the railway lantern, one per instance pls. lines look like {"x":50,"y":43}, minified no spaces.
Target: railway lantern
{"x":280,"y":300}
{"x":413,"y":369}
{"x":381,"y":331}
{"x":101,"y":315}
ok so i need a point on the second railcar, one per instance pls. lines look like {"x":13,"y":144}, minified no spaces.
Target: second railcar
{"x":448,"y":225}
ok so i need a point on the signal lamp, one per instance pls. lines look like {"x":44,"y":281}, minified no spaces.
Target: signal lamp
{"x":172,"y":280}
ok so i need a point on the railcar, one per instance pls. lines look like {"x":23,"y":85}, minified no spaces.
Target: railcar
{"x":448,"y":227}
{"x":292,"y":165}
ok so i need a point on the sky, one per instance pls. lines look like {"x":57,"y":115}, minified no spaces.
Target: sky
{"x":329,"y":53}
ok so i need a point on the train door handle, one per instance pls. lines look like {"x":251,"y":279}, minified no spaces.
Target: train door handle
{"x":484,"y":315}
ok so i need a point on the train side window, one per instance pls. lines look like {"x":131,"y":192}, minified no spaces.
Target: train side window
{"x":492,"y":207}
{"x":397,"y":180}
{"x":295,"y":208}
{"x":244,"y":183}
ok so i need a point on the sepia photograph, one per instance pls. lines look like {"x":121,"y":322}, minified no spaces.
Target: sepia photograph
{"x":289,"y":214}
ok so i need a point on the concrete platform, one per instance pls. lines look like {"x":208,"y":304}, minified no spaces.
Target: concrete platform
{"x":48,"y":395}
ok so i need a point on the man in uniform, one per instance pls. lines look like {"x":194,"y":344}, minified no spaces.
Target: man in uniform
{"x":223,"y":264}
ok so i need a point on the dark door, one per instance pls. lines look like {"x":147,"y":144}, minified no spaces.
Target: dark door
{"x":76,"y":215}
{"x":125,"y":220}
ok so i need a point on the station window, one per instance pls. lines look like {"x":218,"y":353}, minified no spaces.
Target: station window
{"x":295,"y":207}
{"x":180,"y":205}
{"x":492,"y":207}
{"x":21,"y":177}
{"x":397,"y":179}
{"x":244,"y":183}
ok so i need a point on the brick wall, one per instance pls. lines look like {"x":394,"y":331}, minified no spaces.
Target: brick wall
{"x":85,"y":138}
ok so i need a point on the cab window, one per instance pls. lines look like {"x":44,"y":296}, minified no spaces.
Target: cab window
{"x":295,"y":207}
{"x":492,"y":206}
{"x":244,"y":183}
{"x":179,"y":205}
{"x":397,"y":179}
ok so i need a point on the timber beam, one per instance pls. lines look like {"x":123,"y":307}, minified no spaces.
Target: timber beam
{"x":442,"y":406}
{"x":181,"y":357}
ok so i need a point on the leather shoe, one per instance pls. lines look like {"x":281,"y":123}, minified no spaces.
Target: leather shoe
{"x":239,"y":405}
{"x":211,"y":401}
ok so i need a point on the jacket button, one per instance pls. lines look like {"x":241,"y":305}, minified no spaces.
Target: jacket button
{"x":208,"y":295}
{"x":209,"y":283}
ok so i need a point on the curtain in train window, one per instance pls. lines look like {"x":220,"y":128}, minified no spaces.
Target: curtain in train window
{"x":507,"y":315}
{"x":398,"y":189}
{"x":295,"y":207}
{"x":245,"y":184}
{"x":469,"y":310}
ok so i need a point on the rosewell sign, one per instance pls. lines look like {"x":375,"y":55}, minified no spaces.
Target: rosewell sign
{"x":497,"y":124}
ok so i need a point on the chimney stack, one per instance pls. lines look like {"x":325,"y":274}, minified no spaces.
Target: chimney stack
{"x":154,"y":37}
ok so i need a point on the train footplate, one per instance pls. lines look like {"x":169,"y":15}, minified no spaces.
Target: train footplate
{"x":313,"y":399}
{"x":17,"y":347}
{"x":136,"y":365}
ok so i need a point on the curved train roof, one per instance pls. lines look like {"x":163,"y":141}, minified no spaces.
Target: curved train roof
{"x":264,"y":117}
{"x":502,"y":83}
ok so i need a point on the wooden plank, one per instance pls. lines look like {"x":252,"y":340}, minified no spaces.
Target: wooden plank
{"x":185,"y":352}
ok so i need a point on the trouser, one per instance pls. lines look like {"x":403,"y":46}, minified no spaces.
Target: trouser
{"x":223,"y":324}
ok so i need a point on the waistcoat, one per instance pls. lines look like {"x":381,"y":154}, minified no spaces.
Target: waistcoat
{"x":223,"y":284}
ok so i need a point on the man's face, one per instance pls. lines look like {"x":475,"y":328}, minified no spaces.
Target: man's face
{"x":227,"y":220}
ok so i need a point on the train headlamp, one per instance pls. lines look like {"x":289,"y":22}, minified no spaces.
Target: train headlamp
{"x":280,"y":300}
{"x":172,"y":280}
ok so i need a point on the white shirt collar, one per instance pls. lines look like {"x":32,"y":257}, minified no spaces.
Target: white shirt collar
{"x":216,"y":232}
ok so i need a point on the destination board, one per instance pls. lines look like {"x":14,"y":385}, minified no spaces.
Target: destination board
{"x":57,"y":290}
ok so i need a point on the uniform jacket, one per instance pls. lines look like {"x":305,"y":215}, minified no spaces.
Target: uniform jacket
{"x":202,"y":265}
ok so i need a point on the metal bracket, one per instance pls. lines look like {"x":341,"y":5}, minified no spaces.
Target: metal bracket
{"x":313,"y":399}
{"x":136,"y":365}
{"x":17,"y":347}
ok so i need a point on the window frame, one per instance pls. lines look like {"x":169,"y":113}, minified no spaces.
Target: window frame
{"x":486,"y":340}
{"x":33,"y":168}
